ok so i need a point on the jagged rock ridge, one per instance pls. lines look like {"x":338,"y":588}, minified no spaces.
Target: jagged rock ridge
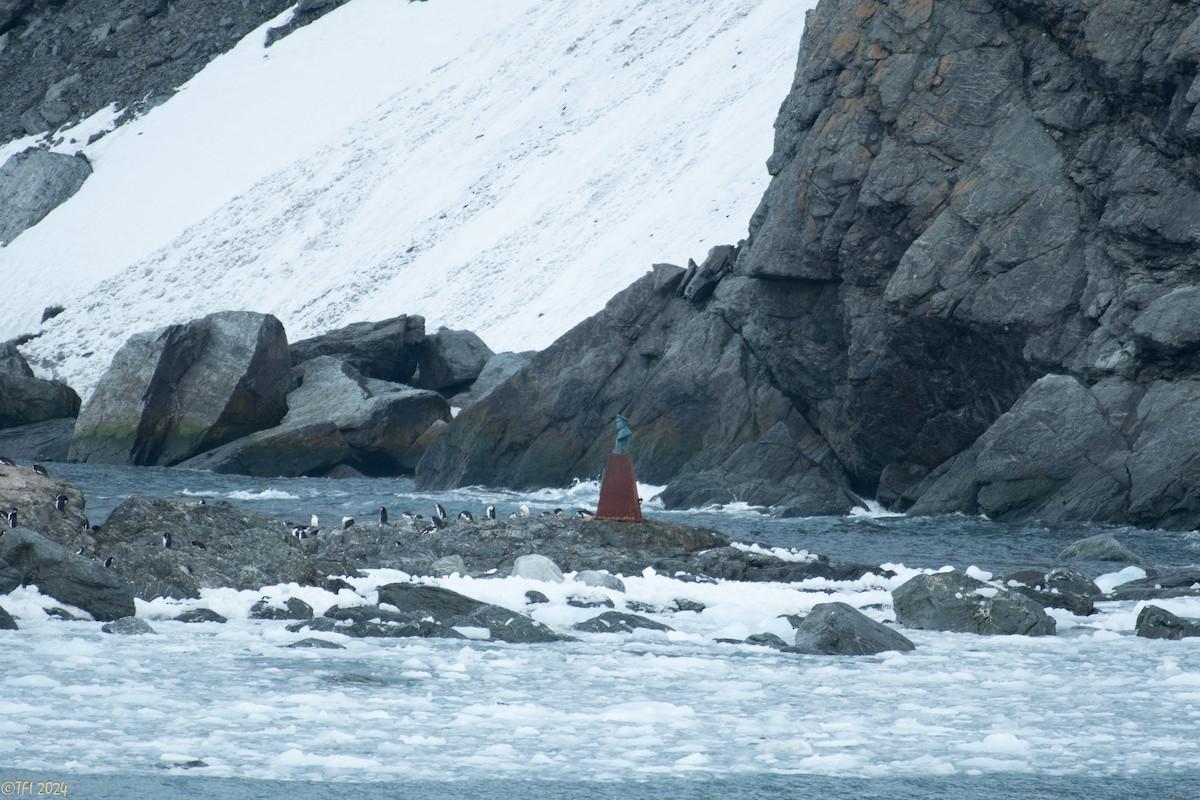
{"x":966,"y":198}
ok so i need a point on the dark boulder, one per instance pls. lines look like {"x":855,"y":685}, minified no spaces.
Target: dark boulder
{"x":318,"y":644}
{"x":336,"y":417}
{"x":458,"y":611}
{"x":496,"y":371}
{"x":375,"y":622}
{"x":619,"y":622}
{"x":32,"y":184}
{"x":1159,"y":587}
{"x":386,"y":350}
{"x":1158,"y":623}
{"x":7,"y":623}
{"x":67,"y":577}
{"x":952,"y":601}
{"x":838,"y":629}
{"x":26,"y":401}
{"x":1059,"y":588}
{"x":200,"y":615}
{"x":451,"y":360}
{"x":1101,"y":547}
{"x":734,"y":563}
{"x":294,"y":608}
{"x":212,"y":545}
{"x":179,"y":391}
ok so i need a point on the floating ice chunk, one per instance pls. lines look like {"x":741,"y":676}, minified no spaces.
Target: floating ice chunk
{"x":1110,"y":580}
{"x":998,"y":743}
{"x":785,"y":747}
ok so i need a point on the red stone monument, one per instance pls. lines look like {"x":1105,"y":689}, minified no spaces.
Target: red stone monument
{"x":618,"y":488}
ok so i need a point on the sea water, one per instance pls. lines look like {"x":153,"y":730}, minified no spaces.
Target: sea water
{"x":228,"y":710}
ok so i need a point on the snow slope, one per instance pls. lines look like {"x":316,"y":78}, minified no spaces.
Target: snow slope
{"x":501,"y":167}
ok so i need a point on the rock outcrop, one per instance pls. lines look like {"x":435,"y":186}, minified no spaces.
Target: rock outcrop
{"x":970,"y":205}
{"x":63,"y":60}
{"x":33,"y":183}
{"x":64,"y":575}
{"x":387,"y":350}
{"x":179,"y":391}
{"x":840,"y":629}
{"x":211,"y":545}
{"x":335,"y":417}
{"x":952,"y":601}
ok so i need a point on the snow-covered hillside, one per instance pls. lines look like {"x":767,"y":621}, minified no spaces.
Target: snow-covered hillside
{"x":501,"y":167}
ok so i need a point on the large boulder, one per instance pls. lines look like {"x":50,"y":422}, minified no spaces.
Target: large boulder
{"x":66,"y":576}
{"x":387,"y":350}
{"x":179,"y":391}
{"x":32,"y":184}
{"x":336,"y":417}
{"x":27,"y":400}
{"x":953,"y":601}
{"x":211,"y":545}
{"x":839,"y":629}
{"x":496,"y":371}
{"x":1158,"y":623}
{"x":451,"y":360}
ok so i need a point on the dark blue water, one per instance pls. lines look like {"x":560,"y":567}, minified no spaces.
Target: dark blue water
{"x":915,"y":542}
{"x":993,"y":786}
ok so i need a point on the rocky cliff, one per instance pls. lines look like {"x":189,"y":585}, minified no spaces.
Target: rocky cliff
{"x":970,"y":286}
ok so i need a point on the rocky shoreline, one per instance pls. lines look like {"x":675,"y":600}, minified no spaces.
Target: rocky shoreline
{"x":153,"y":548}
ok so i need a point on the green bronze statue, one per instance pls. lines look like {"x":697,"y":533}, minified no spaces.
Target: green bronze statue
{"x":624,"y":434}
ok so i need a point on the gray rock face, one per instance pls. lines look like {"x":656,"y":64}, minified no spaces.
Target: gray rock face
{"x":1158,"y":623}
{"x":964,"y":199}
{"x":133,"y":54}
{"x":336,"y":417}
{"x":27,"y":401}
{"x":838,"y":629}
{"x":496,"y":371}
{"x":7,"y":623}
{"x":34,"y":183}
{"x":386,"y":350}
{"x":537,"y":567}
{"x":200,"y":615}
{"x":211,"y":546}
{"x":65,"y":576}
{"x":39,"y":441}
{"x":294,"y":608}
{"x":179,"y":391}
{"x":450,"y":360}
{"x":952,"y":601}
{"x":1175,"y":584}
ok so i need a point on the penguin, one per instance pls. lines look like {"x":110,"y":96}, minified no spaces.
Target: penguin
{"x":167,"y":540}
{"x":8,"y":462}
{"x":79,"y":552}
{"x":491,"y":512}
{"x":545,"y":513}
{"x":383,"y":515}
{"x":40,"y":470}
{"x":558,"y":512}
{"x":585,"y":514}
{"x":347,"y":522}
{"x":466,"y":516}
{"x":313,"y":522}
{"x":408,"y":515}
{"x":441,"y":512}
{"x":12,"y":518}
{"x":437,"y":522}
{"x":108,"y":562}
{"x":60,"y":502}
{"x":199,"y":545}
{"x":524,"y":509}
